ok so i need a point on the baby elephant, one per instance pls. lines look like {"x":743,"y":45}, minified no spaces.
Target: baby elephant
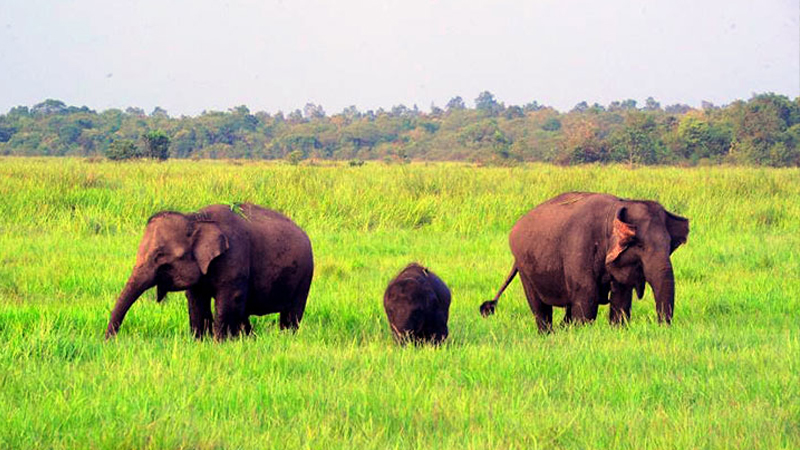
{"x":417,"y":303}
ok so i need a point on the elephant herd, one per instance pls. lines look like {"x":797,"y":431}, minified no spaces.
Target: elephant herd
{"x":576,"y":251}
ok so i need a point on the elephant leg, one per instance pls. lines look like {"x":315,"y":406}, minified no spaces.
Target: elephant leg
{"x":247,"y":327}
{"x":584,"y":306}
{"x":544,"y":315}
{"x":567,"y":316}
{"x":620,"y":311}
{"x":200,"y":318}
{"x":542,"y":311}
{"x":230,"y":303}
{"x":602,"y":297}
{"x":291,"y":317}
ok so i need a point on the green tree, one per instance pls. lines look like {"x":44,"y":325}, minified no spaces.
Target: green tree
{"x":533,"y":106}
{"x":514,"y":112}
{"x":487,"y":136}
{"x":580,"y":107}
{"x":551,"y":124}
{"x":159,"y":112}
{"x":582,"y":141}
{"x":758,"y":126}
{"x":635,"y":142}
{"x":782,"y":155}
{"x":312,"y":111}
{"x":157,"y":145}
{"x":486,"y":103}
{"x":134,"y":111}
{"x":700,"y":138}
{"x":7,"y":129}
{"x":48,"y":107}
{"x":456,"y":103}
{"x":295,"y":117}
{"x":650,"y":104}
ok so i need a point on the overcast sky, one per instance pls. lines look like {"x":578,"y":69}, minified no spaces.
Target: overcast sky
{"x":193,"y":55}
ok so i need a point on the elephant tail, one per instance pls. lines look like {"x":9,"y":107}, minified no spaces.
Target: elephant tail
{"x":488,"y":307}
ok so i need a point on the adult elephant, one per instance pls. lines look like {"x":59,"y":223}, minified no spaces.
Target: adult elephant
{"x":575,"y":249}
{"x":251,"y":260}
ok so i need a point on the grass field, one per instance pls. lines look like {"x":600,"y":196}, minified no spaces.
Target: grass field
{"x":724,"y":375}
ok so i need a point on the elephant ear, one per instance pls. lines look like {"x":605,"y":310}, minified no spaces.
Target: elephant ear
{"x":209,"y":242}
{"x":678,"y":228}
{"x":623,"y":234}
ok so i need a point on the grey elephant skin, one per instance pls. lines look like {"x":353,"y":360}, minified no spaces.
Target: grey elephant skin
{"x":251,"y":260}
{"x":574,"y":250}
{"x":417,"y":304}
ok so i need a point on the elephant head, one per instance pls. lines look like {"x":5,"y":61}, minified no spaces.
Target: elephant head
{"x":642,"y":237}
{"x":175,"y":252}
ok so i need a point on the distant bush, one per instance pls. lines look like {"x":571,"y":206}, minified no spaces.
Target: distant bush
{"x":294,"y":157}
{"x":123,"y":149}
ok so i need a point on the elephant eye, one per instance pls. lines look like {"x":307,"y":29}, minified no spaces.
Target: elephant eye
{"x":159,"y":255}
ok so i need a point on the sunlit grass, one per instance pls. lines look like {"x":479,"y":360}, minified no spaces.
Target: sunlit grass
{"x":723,"y":376}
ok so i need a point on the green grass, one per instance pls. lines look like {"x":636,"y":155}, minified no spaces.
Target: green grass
{"x":725,"y":375}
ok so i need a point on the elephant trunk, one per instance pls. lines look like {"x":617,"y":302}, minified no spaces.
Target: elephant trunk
{"x":137,"y":284}
{"x":662,"y":281}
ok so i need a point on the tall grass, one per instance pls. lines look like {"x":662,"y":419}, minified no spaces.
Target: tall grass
{"x":723,"y":376}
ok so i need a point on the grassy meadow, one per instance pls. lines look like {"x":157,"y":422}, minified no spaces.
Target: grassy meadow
{"x":724,"y":375}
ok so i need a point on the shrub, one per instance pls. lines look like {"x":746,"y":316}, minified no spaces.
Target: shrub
{"x":123,"y":149}
{"x":294,"y":157}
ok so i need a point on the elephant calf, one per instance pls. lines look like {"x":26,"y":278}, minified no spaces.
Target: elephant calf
{"x":417,"y":303}
{"x":251,"y":260}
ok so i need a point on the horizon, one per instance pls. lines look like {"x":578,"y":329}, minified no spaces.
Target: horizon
{"x":470,"y":104}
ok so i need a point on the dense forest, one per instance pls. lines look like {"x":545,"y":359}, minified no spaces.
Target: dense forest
{"x":764,"y":130}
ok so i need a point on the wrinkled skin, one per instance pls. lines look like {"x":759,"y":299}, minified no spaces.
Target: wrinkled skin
{"x":417,"y":304}
{"x":580,"y":250}
{"x":252,"y":261}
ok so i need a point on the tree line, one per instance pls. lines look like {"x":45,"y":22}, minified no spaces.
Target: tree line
{"x":764,"y":130}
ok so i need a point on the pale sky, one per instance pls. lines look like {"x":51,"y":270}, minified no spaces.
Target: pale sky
{"x":193,"y":55}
